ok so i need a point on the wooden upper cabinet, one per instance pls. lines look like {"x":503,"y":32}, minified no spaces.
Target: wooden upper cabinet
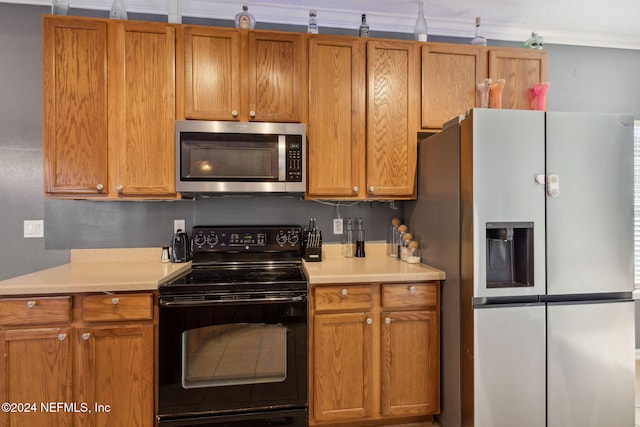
{"x":336,"y":127}
{"x":275,"y":74}
{"x":450,"y":73}
{"x":241,"y":75}
{"x":75,"y":105}
{"x":142,"y":108}
{"x":211,"y":72}
{"x":392,"y":118}
{"x":521,"y":69}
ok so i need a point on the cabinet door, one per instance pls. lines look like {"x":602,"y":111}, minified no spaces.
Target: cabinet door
{"x":75,"y":105}
{"x":336,"y":116}
{"x":449,"y":76}
{"x":342,"y":366}
{"x":521,"y":69}
{"x":275,"y":76}
{"x":392,"y":118}
{"x":410,"y":370}
{"x":36,"y":369}
{"x":211,"y":73}
{"x":116,"y":367}
{"x":142,"y":108}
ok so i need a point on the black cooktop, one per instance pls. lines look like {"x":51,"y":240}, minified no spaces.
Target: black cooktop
{"x":240,"y":259}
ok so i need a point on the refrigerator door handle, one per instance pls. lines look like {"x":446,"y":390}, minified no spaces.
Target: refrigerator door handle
{"x":540,"y":179}
{"x":553,"y":185}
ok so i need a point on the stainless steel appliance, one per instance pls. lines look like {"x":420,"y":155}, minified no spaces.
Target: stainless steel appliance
{"x":234,"y":157}
{"x":233,"y":332}
{"x":531,"y":216}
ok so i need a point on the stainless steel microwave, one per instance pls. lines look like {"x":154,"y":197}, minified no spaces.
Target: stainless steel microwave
{"x":234,"y":157}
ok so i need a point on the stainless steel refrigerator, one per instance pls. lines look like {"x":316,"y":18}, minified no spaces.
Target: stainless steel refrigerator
{"x":530,"y":214}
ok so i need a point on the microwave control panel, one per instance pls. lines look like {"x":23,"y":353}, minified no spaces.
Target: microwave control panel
{"x":294,"y":158}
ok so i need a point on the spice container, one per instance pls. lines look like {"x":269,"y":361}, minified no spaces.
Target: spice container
{"x":413,"y":255}
{"x":393,"y":238}
{"x":404,"y":250}
{"x":402,"y":229}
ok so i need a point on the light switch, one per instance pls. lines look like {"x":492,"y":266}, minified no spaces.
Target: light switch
{"x":33,"y":229}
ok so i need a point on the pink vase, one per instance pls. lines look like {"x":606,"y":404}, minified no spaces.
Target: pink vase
{"x":483,"y":91}
{"x":540,"y":94}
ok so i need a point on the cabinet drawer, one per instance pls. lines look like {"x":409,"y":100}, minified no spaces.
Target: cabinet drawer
{"x":337,"y":298}
{"x":409,"y":295}
{"x":117,"y":307}
{"x":33,"y":311}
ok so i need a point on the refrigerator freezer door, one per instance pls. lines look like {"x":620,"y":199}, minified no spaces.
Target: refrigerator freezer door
{"x":590,"y":221}
{"x":509,"y":365}
{"x":591,"y":362}
{"x":507,"y":155}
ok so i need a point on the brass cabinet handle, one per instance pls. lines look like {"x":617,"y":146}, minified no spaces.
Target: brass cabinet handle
{"x":115,"y":300}
{"x":100,"y":187}
{"x":31,"y":303}
{"x":86,"y":336}
{"x":369,"y":320}
{"x":344,"y":292}
{"x":387,"y":320}
{"x":119,"y":188}
{"x":412,"y":289}
{"x":62,"y":337}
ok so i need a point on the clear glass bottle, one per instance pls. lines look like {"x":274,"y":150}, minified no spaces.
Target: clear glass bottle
{"x":60,"y":7}
{"x":359,"y":239}
{"x":413,"y":254}
{"x":393,"y":238}
{"x":118,"y":10}
{"x":478,"y":40}
{"x":420,"y":30}
{"x":404,"y":250}
{"x":312,"y":28}
{"x":402,"y":229}
{"x":348,"y":243}
{"x":534,"y":42}
{"x":244,"y":19}
{"x":364,"y":27}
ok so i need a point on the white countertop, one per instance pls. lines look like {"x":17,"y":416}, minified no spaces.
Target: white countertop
{"x":376,"y":266}
{"x":99,"y":270}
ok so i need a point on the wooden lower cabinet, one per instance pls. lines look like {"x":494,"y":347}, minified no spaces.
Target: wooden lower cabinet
{"x":375,"y":353}
{"x":77,"y":372}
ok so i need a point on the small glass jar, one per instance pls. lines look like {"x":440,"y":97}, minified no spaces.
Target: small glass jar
{"x":402,"y":229}
{"x":404,"y":250}
{"x":393,"y":238}
{"x":413,"y":255}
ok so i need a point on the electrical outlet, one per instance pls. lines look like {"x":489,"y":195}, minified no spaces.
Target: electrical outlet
{"x":33,"y":229}
{"x":178,"y":224}
{"x":337,"y":226}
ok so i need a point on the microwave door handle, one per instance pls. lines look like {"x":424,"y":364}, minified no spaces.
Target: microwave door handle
{"x":282,"y":158}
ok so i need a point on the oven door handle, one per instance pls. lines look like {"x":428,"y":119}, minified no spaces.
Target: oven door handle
{"x":167,"y":302}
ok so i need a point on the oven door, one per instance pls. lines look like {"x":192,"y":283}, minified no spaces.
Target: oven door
{"x":229,"y":355}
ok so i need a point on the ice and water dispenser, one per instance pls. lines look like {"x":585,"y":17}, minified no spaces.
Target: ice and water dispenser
{"x":509,"y":254}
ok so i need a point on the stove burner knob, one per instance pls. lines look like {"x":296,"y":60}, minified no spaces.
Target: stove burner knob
{"x":199,"y":240}
{"x":212,"y":239}
{"x":293,"y":239}
{"x":281,"y":238}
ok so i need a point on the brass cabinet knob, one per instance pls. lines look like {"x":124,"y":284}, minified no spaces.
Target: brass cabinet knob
{"x":31,"y":303}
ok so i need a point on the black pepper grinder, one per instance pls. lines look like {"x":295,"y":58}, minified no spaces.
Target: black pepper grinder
{"x":359,"y":239}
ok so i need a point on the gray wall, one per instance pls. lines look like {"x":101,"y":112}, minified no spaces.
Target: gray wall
{"x":582,"y":79}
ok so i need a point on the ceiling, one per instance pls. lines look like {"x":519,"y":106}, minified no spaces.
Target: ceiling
{"x":610,"y":23}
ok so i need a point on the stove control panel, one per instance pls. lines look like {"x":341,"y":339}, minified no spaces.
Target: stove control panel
{"x":247,"y":239}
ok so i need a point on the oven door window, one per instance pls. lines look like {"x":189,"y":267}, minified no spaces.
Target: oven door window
{"x":234,"y":354}
{"x":229,"y":157}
